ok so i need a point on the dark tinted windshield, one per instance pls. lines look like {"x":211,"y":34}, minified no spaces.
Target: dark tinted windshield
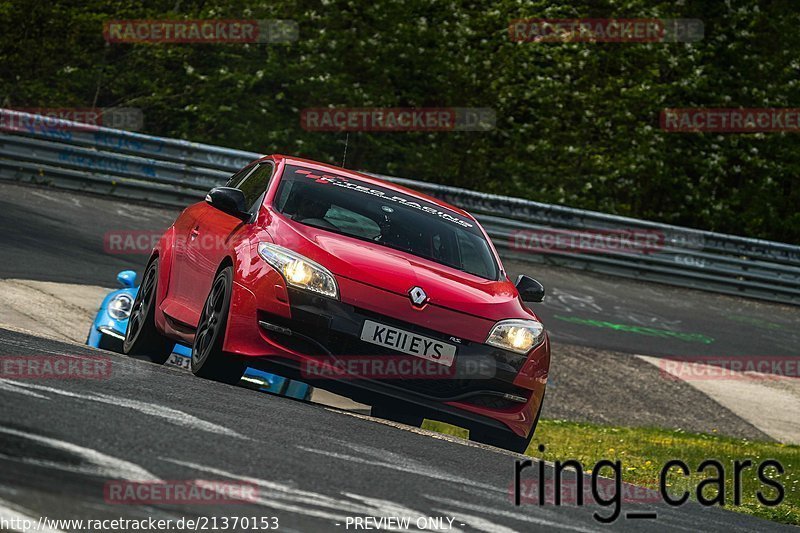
{"x":368,"y":212}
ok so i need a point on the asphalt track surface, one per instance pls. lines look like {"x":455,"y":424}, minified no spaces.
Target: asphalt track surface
{"x":61,"y":441}
{"x":62,"y":236}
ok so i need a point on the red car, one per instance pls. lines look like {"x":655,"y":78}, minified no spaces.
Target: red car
{"x":296,"y":264}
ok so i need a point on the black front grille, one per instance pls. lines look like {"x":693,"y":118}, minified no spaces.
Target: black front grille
{"x":329,"y":328}
{"x":469,"y":390}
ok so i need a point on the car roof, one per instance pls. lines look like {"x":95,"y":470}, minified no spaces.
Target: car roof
{"x":365,"y":178}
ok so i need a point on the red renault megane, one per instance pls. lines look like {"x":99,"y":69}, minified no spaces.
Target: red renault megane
{"x":295,"y":262}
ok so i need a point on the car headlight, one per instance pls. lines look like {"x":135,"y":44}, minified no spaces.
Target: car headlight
{"x":299,"y":271}
{"x":516,"y":335}
{"x":120,"y":306}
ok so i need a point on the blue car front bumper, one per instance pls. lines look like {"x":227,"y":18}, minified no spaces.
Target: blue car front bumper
{"x":108,"y":333}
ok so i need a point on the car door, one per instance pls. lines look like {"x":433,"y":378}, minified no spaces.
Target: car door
{"x":185,"y":271}
{"x":219,"y":233}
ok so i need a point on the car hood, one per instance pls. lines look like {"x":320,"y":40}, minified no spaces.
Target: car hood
{"x":398,"y":272}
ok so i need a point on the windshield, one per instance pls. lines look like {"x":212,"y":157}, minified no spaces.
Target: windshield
{"x":396,"y":220}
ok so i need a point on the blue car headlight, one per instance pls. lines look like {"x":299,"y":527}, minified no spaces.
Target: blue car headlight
{"x":120,"y":307}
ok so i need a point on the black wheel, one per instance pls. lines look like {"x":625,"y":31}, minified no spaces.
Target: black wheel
{"x":208,"y":361}
{"x":142,"y":338}
{"x":506,"y":439}
{"x":396,"y":415}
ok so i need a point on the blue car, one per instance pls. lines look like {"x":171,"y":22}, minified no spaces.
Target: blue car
{"x":108,"y":333}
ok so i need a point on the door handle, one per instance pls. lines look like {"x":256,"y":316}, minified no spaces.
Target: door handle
{"x":194,"y":233}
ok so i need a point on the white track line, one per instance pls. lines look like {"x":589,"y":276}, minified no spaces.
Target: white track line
{"x":99,"y":463}
{"x":173,"y":416}
{"x":11,"y":516}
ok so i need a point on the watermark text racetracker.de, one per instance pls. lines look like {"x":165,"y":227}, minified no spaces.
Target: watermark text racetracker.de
{"x":185,"y":491}
{"x":729,"y":368}
{"x":730,"y":120}
{"x":606,"y":30}
{"x":398,"y":367}
{"x":211,"y":31}
{"x":55,"y":367}
{"x":562,"y":241}
{"x":198,"y":523}
{"x":71,"y":118}
{"x":143,"y":241}
{"x":398,"y":119}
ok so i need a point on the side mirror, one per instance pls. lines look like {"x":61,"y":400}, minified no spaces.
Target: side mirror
{"x":228,"y":200}
{"x":529,"y":289}
{"x":127,"y":278}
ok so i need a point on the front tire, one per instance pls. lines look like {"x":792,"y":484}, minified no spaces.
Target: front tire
{"x":208,"y":359}
{"x":142,"y":338}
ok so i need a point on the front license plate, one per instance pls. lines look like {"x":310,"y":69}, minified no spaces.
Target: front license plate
{"x":407,"y":342}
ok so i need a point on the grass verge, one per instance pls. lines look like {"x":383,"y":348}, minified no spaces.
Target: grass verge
{"x":644,"y":451}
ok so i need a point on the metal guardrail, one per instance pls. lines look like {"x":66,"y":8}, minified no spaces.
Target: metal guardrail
{"x":175,"y":172}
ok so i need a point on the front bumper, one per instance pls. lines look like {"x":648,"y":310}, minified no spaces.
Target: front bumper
{"x":311,"y":328}
{"x":107,"y":333}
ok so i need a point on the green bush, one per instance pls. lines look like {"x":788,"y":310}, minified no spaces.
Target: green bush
{"x":577,"y":123}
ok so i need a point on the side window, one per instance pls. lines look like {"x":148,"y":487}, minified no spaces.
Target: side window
{"x":255,"y":184}
{"x":237,"y":178}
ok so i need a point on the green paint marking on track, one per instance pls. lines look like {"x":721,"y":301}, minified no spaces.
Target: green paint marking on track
{"x":753,"y":321}
{"x":641,"y":330}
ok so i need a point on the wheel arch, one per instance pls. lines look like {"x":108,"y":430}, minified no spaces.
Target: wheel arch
{"x":226,"y":262}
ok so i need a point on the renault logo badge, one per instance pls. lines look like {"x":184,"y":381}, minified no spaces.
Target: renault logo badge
{"x":418,"y":296}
